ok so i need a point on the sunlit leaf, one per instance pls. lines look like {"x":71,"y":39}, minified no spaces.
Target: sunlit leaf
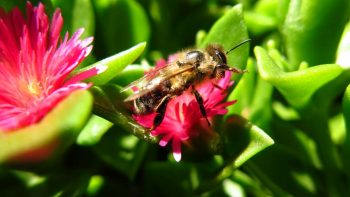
{"x":130,"y":74}
{"x":343,"y":54}
{"x":229,"y":31}
{"x":298,"y":86}
{"x":115,"y":64}
{"x":312,"y":30}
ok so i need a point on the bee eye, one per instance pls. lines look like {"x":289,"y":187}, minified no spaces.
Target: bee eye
{"x":217,"y":53}
{"x":194,"y":56}
{"x":220,"y":57}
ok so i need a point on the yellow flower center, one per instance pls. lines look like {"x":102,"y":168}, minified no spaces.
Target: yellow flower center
{"x":30,"y":89}
{"x":34,"y":88}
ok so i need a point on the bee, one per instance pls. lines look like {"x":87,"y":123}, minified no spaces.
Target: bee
{"x":191,"y":67}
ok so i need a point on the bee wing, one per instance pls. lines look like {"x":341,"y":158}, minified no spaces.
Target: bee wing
{"x":135,"y":83}
{"x":146,"y":78}
{"x":149,"y":82}
{"x":136,"y":95}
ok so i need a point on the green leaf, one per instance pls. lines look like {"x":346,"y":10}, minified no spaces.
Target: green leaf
{"x":346,"y":112}
{"x":109,"y":104}
{"x":83,"y":17}
{"x":93,"y":131}
{"x":130,"y":74}
{"x":343,"y":53}
{"x":122,"y":24}
{"x":259,"y":23}
{"x":242,"y":140}
{"x":298,"y":86}
{"x":243,"y":92}
{"x":49,"y":137}
{"x":229,"y":31}
{"x":260,"y":111}
{"x":122,"y":151}
{"x":115,"y":64}
{"x":312,"y":30}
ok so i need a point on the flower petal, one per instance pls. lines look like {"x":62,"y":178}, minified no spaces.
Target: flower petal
{"x":177,"y":149}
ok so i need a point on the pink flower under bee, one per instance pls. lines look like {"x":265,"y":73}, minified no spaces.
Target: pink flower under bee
{"x":183,"y":120}
{"x":36,"y":65}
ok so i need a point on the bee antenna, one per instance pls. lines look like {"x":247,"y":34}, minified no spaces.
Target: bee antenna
{"x":240,"y":44}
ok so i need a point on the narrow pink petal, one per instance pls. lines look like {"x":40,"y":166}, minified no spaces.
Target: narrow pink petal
{"x":177,"y":149}
{"x":55,"y":28}
{"x":86,"y":74}
{"x":165,"y":139}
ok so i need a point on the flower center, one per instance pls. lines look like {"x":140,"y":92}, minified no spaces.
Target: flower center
{"x":31,"y":90}
{"x":34,"y":88}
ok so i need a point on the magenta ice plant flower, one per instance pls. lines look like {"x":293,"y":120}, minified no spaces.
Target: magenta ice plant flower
{"x":36,"y":65}
{"x":183,"y":120}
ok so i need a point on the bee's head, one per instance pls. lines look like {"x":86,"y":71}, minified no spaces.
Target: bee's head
{"x":217,"y":53}
{"x":220,"y":58}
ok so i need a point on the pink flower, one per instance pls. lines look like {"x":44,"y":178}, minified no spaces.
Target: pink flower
{"x":35,"y":65}
{"x":183,"y":120}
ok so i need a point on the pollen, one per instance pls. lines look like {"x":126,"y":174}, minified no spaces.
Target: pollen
{"x":34,"y":88}
{"x":31,"y":88}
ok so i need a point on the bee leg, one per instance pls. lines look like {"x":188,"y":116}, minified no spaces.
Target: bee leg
{"x":160,"y":112}
{"x":199,"y":100}
{"x":218,"y":87}
{"x":237,"y":70}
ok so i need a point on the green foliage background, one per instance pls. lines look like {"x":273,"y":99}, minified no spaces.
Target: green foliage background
{"x":286,"y":136}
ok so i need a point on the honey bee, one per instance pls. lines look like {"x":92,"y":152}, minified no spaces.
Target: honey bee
{"x":191,"y":67}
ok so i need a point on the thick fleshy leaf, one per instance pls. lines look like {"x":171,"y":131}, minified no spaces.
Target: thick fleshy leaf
{"x":264,"y":17}
{"x":242,"y":140}
{"x":115,"y":64}
{"x":260,"y":114}
{"x":77,"y":14}
{"x":312,"y":30}
{"x":229,"y":31}
{"x":93,"y":131}
{"x":122,"y":151}
{"x":259,"y":23}
{"x":346,"y":112}
{"x":121,"y":24}
{"x":54,"y":133}
{"x":83,"y":17}
{"x":298,"y":86}
{"x":109,"y":104}
{"x":243,"y":92}
{"x":130,"y":74}
{"x":343,"y":53}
